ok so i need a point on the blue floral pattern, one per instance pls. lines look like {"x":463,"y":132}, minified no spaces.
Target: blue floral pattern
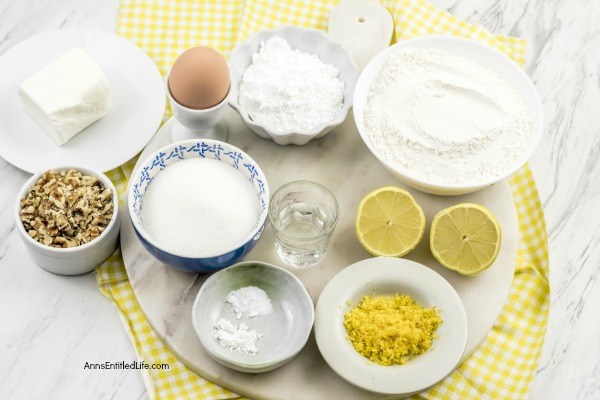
{"x":217,"y":151}
{"x":210,"y":149}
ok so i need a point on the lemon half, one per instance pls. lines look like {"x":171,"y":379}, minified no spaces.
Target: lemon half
{"x":465,"y":238}
{"x":389,"y":222}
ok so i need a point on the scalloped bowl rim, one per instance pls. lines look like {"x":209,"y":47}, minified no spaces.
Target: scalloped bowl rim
{"x":340,"y":115}
{"x":137,"y":225}
{"x":536,"y":111}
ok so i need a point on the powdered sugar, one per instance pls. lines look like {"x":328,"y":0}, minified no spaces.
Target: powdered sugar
{"x":287,"y":90}
{"x":249,"y":301}
{"x":446,"y":119}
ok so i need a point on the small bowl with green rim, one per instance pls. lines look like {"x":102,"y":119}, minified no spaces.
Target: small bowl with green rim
{"x":285,"y":331}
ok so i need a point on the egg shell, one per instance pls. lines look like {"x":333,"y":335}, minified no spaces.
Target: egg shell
{"x":199,"y":78}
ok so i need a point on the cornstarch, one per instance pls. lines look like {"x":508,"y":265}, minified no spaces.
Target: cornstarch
{"x":446,"y":119}
{"x":199,"y":207}
{"x":249,"y":301}
{"x":289,"y":90}
{"x":236,"y":337}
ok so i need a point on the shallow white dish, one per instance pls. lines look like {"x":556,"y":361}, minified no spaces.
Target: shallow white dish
{"x":481,"y":54}
{"x":285,"y":330}
{"x":137,"y":92}
{"x":75,"y":260}
{"x":387,"y":276}
{"x":308,"y":40}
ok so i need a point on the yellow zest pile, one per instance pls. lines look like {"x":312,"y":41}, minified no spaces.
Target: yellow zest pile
{"x":391,"y":330}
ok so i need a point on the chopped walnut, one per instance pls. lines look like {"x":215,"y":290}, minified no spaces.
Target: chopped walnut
{"x":66,"y":209}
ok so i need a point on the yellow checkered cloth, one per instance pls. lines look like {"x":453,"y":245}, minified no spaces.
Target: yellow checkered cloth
{"x":504,"y":365}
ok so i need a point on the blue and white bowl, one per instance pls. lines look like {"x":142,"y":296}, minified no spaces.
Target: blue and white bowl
{"x":182,"y":150}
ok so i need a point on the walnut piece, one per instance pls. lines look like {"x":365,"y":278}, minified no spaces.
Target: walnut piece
{"x":66,"y":209}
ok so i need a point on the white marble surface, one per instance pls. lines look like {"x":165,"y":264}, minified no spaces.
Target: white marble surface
{"x":49,"y":325}
{"x":166,"y":295}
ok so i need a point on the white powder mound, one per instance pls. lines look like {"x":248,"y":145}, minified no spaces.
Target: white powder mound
{"x":199,"y":208}
{"x":236,"y":337}
{"x":249,"y":301}
{"x":446,"y":119}
{"x":287,"y":90}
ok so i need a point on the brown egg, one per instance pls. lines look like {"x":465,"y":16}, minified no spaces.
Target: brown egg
{"x":199,"y":78}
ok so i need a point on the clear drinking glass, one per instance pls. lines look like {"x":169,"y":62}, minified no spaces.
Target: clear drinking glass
{"x":303,"y":215}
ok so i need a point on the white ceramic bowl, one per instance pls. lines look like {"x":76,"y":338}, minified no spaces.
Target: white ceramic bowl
{"x":285,"y":330}
{"x":308,"y":40}
{"x":74,"y":260}
{"x":481,"y":54}
{"x":388,"y":276}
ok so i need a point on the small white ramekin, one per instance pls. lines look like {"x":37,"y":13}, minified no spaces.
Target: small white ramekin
{"x":74,"y":260}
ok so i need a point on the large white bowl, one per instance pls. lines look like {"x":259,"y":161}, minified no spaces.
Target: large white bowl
{"x":308,"y":40}
{"x":481,"y":54}
{"x":73,"y":260}
{"x":388,"y":276}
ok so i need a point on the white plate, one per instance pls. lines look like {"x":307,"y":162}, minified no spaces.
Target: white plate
{"x":138,"y":102}
{"x":387,"y":276}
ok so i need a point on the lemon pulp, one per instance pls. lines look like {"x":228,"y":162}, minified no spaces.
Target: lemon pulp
{"x":465,"y":238}
{"x":389,"y":222}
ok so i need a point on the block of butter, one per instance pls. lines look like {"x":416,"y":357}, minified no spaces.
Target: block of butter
{"x":67,"y":95}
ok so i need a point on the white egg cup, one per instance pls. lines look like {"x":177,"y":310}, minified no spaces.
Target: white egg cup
{"x":196,"y":124}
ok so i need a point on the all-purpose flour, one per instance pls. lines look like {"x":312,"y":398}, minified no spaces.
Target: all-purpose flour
{"x":446,"y":119}
{"x":289,"y":90}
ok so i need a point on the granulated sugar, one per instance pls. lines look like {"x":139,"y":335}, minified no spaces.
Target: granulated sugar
{"x":199,"y":208}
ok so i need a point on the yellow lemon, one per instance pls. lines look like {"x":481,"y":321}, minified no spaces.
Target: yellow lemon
{"x":465,"y":238}
{"x":389,"y":222}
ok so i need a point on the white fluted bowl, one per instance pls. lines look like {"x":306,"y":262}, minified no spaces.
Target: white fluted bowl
{"x":308,"y":40}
